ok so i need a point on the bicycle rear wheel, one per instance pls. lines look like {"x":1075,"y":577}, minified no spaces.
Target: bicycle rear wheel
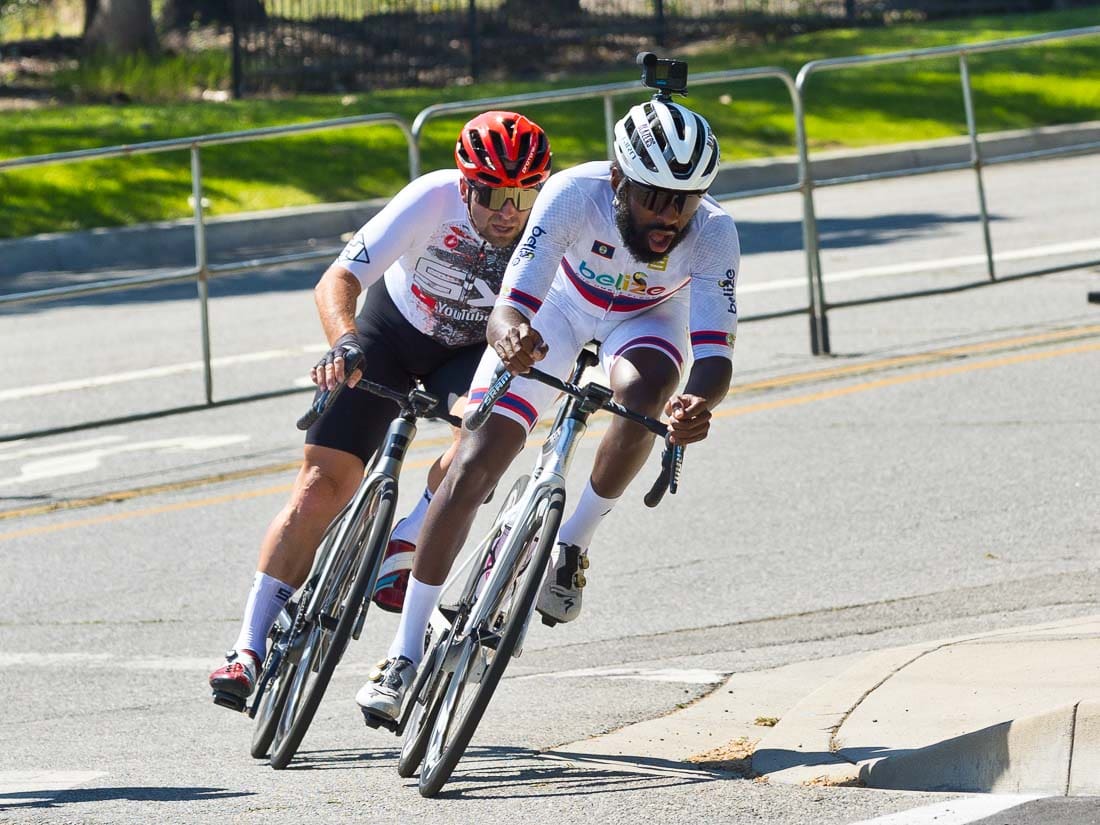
{"x":271,"y":704}
{"x":343,"y":601}
{"x":481,"y":665}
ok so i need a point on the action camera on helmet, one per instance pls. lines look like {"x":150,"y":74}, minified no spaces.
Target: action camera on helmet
{"x":666,"y":76}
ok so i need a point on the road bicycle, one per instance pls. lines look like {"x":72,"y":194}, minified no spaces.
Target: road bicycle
{"x":312,"y":631}
{"x":471,"y":641}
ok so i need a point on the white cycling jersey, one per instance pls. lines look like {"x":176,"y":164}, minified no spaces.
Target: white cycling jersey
{"x":442,"y":275}
{"x":573,"y":255}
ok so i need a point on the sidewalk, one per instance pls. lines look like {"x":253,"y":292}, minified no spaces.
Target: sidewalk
{"x":1016,"y":710}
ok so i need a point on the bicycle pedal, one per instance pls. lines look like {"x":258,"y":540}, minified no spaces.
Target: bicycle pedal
{"x":229,"y":700}
{"x":327,"y":622}
{"x":375,"y":721}
{"x":546,"y":620}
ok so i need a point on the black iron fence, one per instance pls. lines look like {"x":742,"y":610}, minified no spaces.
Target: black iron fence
{"x":333,"y":45}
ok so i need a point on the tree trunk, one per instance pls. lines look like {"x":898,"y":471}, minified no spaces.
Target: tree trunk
{"x":122,"y":27}
{"x":90,"y":8}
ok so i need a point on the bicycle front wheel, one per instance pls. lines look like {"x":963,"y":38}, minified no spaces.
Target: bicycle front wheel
{"x":342,"y":601}
{"x":427,"y":697}
{"x":485,"y":654}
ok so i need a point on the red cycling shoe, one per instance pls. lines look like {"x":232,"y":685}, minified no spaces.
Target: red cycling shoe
{"x":393,"y":576}
{"x":234,"y":681}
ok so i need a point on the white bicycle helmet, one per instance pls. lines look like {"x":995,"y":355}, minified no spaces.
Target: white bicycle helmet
{"x":664,"y":144}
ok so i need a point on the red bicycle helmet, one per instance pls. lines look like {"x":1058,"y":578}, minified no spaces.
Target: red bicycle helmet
{"x":503,"y":149}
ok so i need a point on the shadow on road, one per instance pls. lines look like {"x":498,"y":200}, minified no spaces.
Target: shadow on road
{"x":56,"y":799}
{"x":520,"y":773}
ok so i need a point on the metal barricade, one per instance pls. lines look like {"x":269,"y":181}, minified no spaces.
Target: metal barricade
{"x":608,"y":91}
{"x":202,"y":270}
{"x":976,"y":162}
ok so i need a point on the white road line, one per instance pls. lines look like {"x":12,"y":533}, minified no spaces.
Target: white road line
{"x":73,"y":462}
{"x":154,"y":372}
{"x":926,"y":266}
{"x":683,"y":676}
{"x":26,"y":784}
{"x":62,"y":448}
{"x":956,"y":812}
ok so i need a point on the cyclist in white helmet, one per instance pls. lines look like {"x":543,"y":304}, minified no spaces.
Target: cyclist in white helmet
{"x":632,"y":254}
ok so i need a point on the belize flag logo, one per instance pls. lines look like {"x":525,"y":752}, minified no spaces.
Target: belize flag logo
{"x":603,"y":249}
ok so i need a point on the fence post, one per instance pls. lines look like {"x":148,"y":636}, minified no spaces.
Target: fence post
{"x":475,"y":42}
{"x":976,"y":162}
{"x":203,"y":271}
{"x":234,"y":6}
{"x":659,"y":18}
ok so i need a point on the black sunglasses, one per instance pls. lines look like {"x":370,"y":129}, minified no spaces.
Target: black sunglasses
{"x":655,"y":199}
{"x":494,"y":197}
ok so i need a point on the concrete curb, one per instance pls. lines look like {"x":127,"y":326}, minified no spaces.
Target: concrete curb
{"x":1053,"y":751}
{"x":1030,"y":755}
{"x":171,"y":243}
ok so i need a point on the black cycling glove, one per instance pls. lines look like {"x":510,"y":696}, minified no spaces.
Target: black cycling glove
{"x":345,"y":345}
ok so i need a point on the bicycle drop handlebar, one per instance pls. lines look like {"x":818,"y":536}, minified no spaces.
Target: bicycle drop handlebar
{"x":414,"y":401}
{"x":672,"y":458}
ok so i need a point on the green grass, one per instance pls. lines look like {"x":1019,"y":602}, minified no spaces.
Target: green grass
{"x":858,"y":107}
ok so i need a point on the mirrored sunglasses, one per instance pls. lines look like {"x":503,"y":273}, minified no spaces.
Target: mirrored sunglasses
{"x":655,"y":199}
{"x":494,"y":197}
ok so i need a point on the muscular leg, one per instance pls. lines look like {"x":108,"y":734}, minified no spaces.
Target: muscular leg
{"x":326,"y":482}
{"x":643,"y":380}
{"x":479,"y":462}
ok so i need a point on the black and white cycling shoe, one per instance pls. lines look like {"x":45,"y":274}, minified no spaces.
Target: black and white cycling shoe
{"x":384,"y":694}
{"x":560,"y":594}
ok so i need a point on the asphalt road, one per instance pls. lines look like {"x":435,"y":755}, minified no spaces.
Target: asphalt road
{"x":936,"y":476}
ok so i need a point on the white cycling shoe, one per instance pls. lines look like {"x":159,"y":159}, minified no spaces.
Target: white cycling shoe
{"x":384,"y":694}
{"x":560,"y":594}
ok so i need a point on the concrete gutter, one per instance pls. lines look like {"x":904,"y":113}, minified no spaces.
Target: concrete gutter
{"x":170,"y":244}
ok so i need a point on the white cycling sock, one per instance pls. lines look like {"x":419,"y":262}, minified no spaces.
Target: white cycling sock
{"x":265,"y":600}
{"x":409,"y":527}
{"x":420,"y":601}
{"x":591,"y":509}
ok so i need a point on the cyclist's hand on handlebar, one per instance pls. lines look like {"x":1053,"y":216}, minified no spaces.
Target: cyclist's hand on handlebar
{"x":688,"y":418}
{"x":520,"y":348}
{"x":329,"y":371}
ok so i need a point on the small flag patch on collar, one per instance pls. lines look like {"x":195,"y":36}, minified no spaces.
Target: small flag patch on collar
{"x":603,"y":249}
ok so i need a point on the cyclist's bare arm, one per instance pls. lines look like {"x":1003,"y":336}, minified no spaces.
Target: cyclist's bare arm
{"x":689,"y":412}
{"x":336,"y":294}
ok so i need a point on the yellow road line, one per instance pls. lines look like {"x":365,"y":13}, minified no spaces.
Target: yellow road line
{"x":840,"y":372}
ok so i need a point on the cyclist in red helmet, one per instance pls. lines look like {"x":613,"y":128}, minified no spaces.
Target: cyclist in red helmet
{"x":431,"y":263}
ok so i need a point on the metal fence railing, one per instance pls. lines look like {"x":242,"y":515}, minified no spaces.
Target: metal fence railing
{"x":976,"y":162}
{"x":610,"y":91}
{"x":202,"y":270}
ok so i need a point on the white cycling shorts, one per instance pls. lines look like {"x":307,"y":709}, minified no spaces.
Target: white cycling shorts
{"x":566,"y":330}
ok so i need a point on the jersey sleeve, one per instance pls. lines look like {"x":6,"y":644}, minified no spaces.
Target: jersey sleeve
{"x":553,"y":227}
{"x":714,"y":289}
{"x":406,"y":220}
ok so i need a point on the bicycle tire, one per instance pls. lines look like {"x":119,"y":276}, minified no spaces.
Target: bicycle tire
{"x":422,"y":715}
{"x":418,"y":726}
{"x":269,"y":711}
{"x":437,"y":771}
{"x":330,"y":644}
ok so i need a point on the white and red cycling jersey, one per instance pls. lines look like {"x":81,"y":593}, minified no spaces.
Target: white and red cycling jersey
{"x":572,"y":252}
{"x":574,"y":277}
{"x":442,"y":275}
